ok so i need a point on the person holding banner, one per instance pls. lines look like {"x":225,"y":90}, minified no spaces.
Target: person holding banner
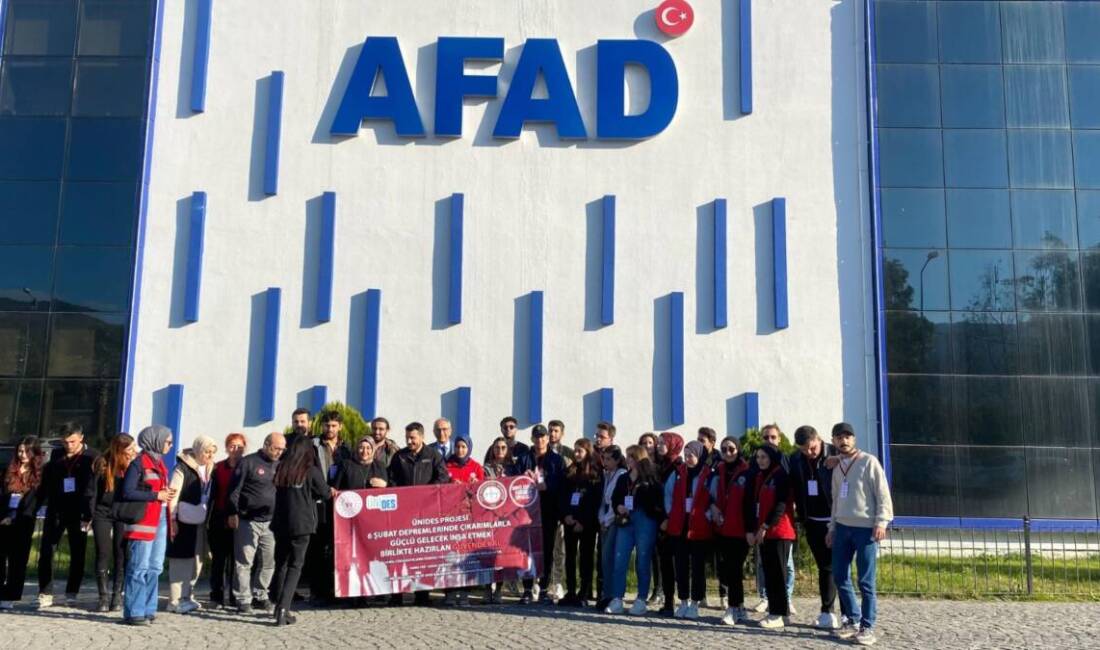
{"x":363,"y":471}
{"x":463,"y":469}
{"x":637,"y":515}
{"x":548,"y":470}
{"x":498,"y":464}
{"x":583,"y":490}
{"x":687,"y":500}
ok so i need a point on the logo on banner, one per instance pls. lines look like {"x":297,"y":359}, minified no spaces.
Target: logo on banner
{"x":523,"y":491}
{"x":383,"y":502}
{"x":491,"y":495}
{"x":674,"y":17}
{"x":348,"y":504}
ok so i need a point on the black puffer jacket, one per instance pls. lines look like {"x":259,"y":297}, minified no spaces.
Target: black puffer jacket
{"x":425,"y":468}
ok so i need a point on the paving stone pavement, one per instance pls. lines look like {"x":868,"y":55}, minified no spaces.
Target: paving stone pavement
{"x":903,"y":623}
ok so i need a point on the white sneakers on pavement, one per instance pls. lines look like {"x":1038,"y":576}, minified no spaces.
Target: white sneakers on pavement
{"x":730,"y":617}
{"x":827,"y":621}
{"x":772,"y":622}
{"x":761,"y":606}
{"x":614,"y":607}
{"x":188,"y":606}
{"x":44,"y":601}
{"x":846,"y":631}
{"x":638,"y":608}
{"x":692,"y":611}
{"x":865,"y":636}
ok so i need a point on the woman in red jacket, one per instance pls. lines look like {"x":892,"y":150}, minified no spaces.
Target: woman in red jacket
{"x":768,"y":522}
{"x":463,"y":469}
{"x":687,"y":502}
{"x":730,"y":482}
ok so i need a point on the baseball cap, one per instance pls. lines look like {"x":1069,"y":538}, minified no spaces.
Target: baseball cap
{"x":843,"y":429}
{"x":538,"y":431}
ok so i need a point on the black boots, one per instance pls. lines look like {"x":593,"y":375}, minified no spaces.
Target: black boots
{"x":104,"y":595}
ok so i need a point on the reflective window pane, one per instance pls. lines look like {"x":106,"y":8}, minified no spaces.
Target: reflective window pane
{"x":22,"y":344}
{"x":1082,"y":24}
{"x":973,"y":96}
{"x":25,"y":278}
{"x":1090,"y":279}
{"x":988,"y":410}
{"x":1047,"y":281}
{"x":1035,"y":95}
{"x":105,"y":150}
{"x":33,"y":148}
{"x":40,"y":27}
{"x":1086,"y":149}
{"x":975,"y":158}
{"x":110,"y":88}
{"x":970,"y":32}
{"x":1092,"y":327}
{"x":905,"y":32}
{"x":36,"y":87}
{"x":1051,"y":344}
{"x":98,"y":213}
{"x":908,"y":95}
{"x":1044,"y":219}
{"x":991,"y":482}
{"x":1032,"y":32}
{"x":978,"y":219}
{"x":28,"y":212}
{"x":1040,"y":158}
{"x":984,"y":342}
{"x":86,"y":345}
{"x":92,"y":279}
{"x":911,"y":157}
{"x":1060,"y":483}
{"x":913,"y":218}
{"x":915,"y":279}
{"x":115,"y":28}
{"x":1084,"y":96}
{"x":91,"y":403}
{"x":921,"y":410}
{"x":982,"y":280}
{"x":1055,"y":411}
{"x":20,"y":405}
{"x":918,"y":342}
{"x":1088,"y":219}
{"x":924,"y":480}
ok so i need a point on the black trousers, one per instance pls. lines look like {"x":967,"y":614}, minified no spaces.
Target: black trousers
{"x":15,"y":550}
{"x":549,"y":529}
{"x":319,"y":563}
{"x":52,"y":530}
{"x":221,"y":560}
{"x":583,"y":542}
{"x":666,"y":560}
{"x":691,"y":568}
{"x":111,"y":551}
{"x":774,"y":553}
{"x":599,"y":563}
{"x":290,"y":558}
{"x":719,"y":572}
{"x":732,"y":552}
{"x":823,"y":558}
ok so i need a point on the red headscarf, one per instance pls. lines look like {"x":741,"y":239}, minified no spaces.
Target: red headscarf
{"x":675,"y":445}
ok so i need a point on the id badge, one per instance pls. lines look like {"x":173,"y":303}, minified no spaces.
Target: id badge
{"x":811,"y":488}
{"x":575,"y":500}
{"x":629,"y":502}
{"x":13,"y":501}
{"x":844,"y":490}
{"x":70,"y":485}
{"x":538,"y":476}
{"x":688,"y":504}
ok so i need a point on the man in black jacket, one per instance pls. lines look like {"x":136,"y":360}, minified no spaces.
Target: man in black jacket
{"x":548,"y":470}
{"x":250,"y":506}
{"x":509,"y":427}
{"x":68,"y":489}
{"x":331,"y":453}
{"x":300,"y":425}
{"x":811,"y":480}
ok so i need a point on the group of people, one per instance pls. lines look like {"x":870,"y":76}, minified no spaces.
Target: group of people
{"x":265,"y":518}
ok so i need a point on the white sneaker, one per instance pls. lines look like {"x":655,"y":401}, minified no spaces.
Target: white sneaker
{"x":866,"y":636}
{"x":730,"y":617}
{"x":657,"y":601}
{"x":188,"y":606}
{"x":761,"y":606}
{"x":6,"y":606}
{"x":827,"y":621}
{"x":173,"y":608}
{"x":614,"y":607}
{"x":692,"y":612}
{"x":790,"y":608}
{"x":681,"y":611}
{"x":557,"y":591}
{"x":638,"y":608}
{"x":846,"y":631}
{"x":44,"y":601}
{"x":772,"y":622}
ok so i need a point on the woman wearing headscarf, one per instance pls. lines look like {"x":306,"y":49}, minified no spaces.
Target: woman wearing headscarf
{"x":463,"y":469}
{"x":187,"y":516}
{"x":730,"y":482}
{"x":363,"y":470}
{"x":299,"y":484}
{"x":669,"y":446}
{"x":146,"y":482}
{"x":109,"y":533}
{"x":18,"y":513}
{"x":687,"y":502}
{"x":768,"y":523}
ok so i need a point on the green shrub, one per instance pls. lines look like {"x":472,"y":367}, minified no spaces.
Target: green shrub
{"x":752,"y":441}
{"x":355,"y":427}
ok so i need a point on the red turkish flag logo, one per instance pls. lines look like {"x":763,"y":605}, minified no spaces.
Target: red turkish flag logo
{"x":674,"y":17}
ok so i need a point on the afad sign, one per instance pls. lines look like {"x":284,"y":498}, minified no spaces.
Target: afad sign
{"x":540,"y":57}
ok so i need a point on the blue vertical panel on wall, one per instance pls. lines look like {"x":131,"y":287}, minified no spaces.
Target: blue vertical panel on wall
{"x":273,"y":301}
{"x":194,"y":258}
{"x":676,"y":357}
{"x":200,"y":56}
{"x":779,"y":253}
{"x":720,"y":313}
{"x":752,"y":410}
{"x":454,"y":295}
{"x":274,"y":133}
{"x":462,"y":413}
{"x":318,"y":397}
{"x":372,"y":340}
{"x":327,"y":257}
{"x":607,"y":405}
{"x":535,"y":404}
{"x":745,"y":57}
{"x":607,"y":288}
{"x":173,"y":416}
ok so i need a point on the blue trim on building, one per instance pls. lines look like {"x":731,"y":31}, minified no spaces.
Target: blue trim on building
{"x":270,"y":371}
{"x":318,"y":397}
{"x":779,"y":261}
{"x":534,"y":407}
{"x":274,"y":133}
{"x":721,"y":272}
{"x":129,"y":365}
{"x":3,"y":22}
{"x":676,"y":358}
{"x":462,"y":413}
{"x":744,"y":30}
{"x":607,"y":275}
{"x":326,"y":257}
{"x":200,"y":55}
{"x":194,"y":257}
{"x":752,"y":411}
{"x":173,"y":417}
{"x":454,"y":293}
{"x":607,"y":405}
{"x":368,"y":400}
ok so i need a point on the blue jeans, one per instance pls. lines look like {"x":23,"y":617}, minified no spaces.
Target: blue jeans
{"x":143,"y":572}
{"x":607,"y":559}
{"x":760,"y":576}
{"x":640,"y":534}
{"x":849,"y":542}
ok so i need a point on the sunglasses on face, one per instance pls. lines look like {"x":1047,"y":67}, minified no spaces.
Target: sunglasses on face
{"x":729,"y":450}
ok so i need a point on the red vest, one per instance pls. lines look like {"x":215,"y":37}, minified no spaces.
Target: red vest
{"x":155,"y":476}
{"x":765,"y":502}
{"x":732,"y":482}
{"x":698,"y":528}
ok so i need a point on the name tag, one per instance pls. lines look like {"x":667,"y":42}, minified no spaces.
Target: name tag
{"x":575,"y":500}
{"x":13,"y":501}
{"x":687,"y":504}
{"x":69,"y":485}
{"x":811,"y":488}
{"x":844,"y":490}
{"x":538,"y":477}
{"x":629,"y":502}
